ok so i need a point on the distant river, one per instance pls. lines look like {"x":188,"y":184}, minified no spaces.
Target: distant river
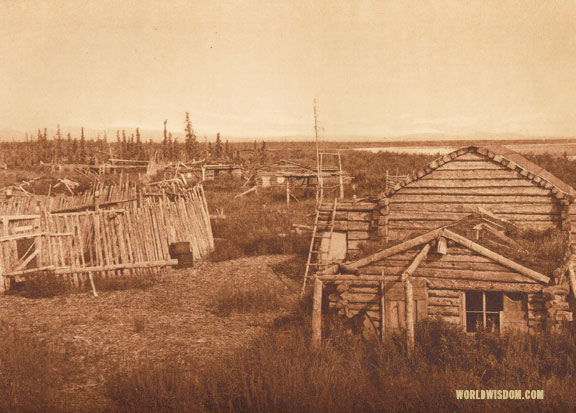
{"x":430,"y":150}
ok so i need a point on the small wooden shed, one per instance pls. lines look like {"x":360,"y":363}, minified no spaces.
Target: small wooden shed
{"x":493,"y":178}
{"x":298,"y":175}
{"x":451,"y":275}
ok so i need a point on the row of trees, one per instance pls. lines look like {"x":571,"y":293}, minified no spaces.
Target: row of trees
{"x":81,"y":150}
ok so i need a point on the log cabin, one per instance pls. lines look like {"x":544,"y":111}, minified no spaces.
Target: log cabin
{"x":459,"y":279}
{"x":494,"y":178}
{"x":468,"y":273}
{"x":298,"y":175}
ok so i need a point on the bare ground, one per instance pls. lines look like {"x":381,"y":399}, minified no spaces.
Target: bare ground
{"x":170,"y":322}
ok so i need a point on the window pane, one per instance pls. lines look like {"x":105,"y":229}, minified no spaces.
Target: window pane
{"x":493,"y":301}
{"x":493,"y":322}
{"x":473,"y":322}
{"x":473,"y":301}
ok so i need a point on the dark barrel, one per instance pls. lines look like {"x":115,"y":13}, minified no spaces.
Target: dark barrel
{"x":181,"y":252}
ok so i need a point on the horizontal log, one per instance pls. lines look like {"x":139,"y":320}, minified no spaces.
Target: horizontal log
{"x":453,"y":216}
{"x":417,"y":225}
{"x":443,"y":293}
{"x":432,"y":182}
{"x":443,"y":311}
{"x":365,"y":289}
{"x":551,"y":208}
{"x":99,"y":268}
{"x":356,"y":244}
{"x":346,"y":226}
{"x":451,"y":274}
{"x":470,"y":156}
{"x":358,"y":235}
{"x":493,"y":190}
{"x":464,"y":285}
{"x":406,"y":231}
{"x":326,"y":216}
{"x":485,"y":174}
{"x":471,"y":199}
{"x":364,"y":206}
{"x":445,"y":265}
{"x":5,"y":218}
{"x":443,"y":301}
{"x":458,"y":164}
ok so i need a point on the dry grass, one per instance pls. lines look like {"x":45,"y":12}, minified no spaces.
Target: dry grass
{"x":279,"y":372}
{"x":246,"y":299}
{"x":31,"y":373}
{"x":257,"y":224}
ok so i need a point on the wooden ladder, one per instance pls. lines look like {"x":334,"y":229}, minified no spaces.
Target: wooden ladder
{"x":316,"y":244}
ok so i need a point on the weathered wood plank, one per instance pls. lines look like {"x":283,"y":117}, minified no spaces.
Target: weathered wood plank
{"x":459,"y":164}
{"x":443,"y":293}
{"x":444,"y":301}
{"x":417,"y":225}
{"x":514,"y":208}
{"x":461,"y":265}
{"x":464,"y":285}
{"x":460,"y":182}
{"x":494,"y":190}
{"x":501,"y":276}
{"x":471,"y":199}
{"x":470,"y":156}
{"x":473,"y":174}
{"x":452,"y":216}
{"x":360,"y":206}
{"x":345,"y":216}
{"x":358,"y":235}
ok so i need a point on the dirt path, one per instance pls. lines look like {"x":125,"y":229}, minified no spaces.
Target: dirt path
{"x":170,"y":322}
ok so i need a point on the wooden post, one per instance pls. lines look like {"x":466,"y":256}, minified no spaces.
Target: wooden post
{"x":96,"y":201}
{"x":2,"y":282}
{"x":340,"y":176}
{"x":317,"y":314}
{"x":92,"y":284}
{"x":409,"y":296}
{"x":382,"y":311}
{"x":287,"y":191}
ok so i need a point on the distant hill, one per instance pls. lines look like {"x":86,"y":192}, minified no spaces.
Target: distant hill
{"x":8,"y":134}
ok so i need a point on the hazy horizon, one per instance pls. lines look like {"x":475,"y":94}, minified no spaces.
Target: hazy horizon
{"x":251,"y":68}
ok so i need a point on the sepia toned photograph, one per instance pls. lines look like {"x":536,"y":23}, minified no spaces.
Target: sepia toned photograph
{"x":340,"y":206}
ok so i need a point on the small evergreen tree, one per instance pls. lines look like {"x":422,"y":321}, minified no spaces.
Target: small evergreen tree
{"x":219,"y":148}
{"x":82,"y":155}
{"x":191,"y":144}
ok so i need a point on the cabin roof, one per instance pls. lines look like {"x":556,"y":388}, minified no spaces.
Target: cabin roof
{"x":459,"y":232}
{"x":506,"y":157}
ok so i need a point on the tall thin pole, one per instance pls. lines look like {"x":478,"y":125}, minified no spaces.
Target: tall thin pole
{"x":319,"y":189}
{"x":340,"y":176}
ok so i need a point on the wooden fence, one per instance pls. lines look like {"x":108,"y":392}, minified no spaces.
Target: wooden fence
{"x":108,"y":242}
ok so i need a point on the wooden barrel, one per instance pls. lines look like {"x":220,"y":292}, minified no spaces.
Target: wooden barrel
{"x":181,"y":252}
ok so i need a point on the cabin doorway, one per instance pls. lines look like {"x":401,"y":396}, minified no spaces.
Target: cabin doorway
{"x":394,"y":301}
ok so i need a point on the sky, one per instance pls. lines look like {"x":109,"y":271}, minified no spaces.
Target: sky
{"x":254,"y":67}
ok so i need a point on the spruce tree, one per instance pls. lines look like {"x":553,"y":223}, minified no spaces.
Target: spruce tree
{"x":191,"y":143}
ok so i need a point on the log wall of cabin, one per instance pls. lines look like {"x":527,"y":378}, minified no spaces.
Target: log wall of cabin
{"x":456,"y":188}
{"x":447,"y":278}
{"x":359,"y":220}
